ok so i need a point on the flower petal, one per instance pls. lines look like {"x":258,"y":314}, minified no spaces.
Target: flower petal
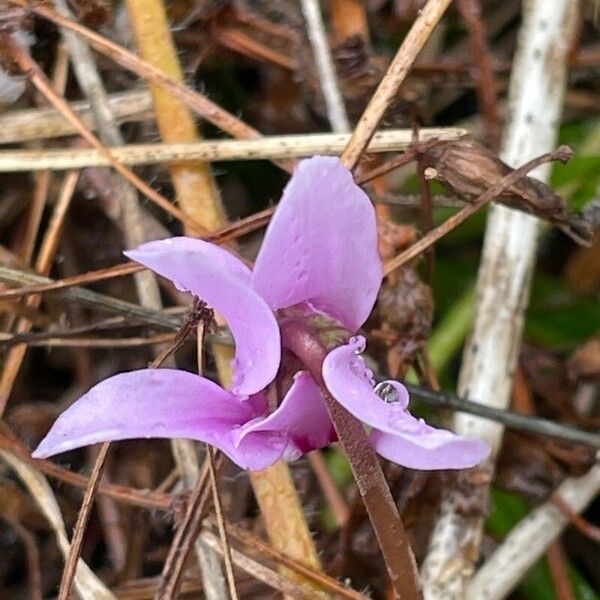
{"x":321,"y":245}
{"x":398,"y":435}
{"x":302,"y":416}
{"x":429,"y":449}
{"x":163,"y":403}
{"x":218,"y":277}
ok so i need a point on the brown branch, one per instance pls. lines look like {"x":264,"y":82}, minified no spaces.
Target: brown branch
{"x":486,"y":88}
{"x":68,"y":575}
{"x":583,"y":526}
{"x":185,"y":535}
{"x":210,"y":454}
{"x":126,"y":495}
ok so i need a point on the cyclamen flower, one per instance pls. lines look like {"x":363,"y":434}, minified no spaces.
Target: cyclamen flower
{"x":319,"y":254}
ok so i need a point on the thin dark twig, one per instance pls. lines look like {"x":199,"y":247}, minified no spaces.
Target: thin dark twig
{"x":94,"y":299}
{"x":426,"y":207}
{"x":320,"y":579}
{"x":562,"y":154}
{"x":583,"y":526}
{"x":48,"y":341}
{"x":68,"y":575}
{"x":221,"y":523}
{"x":66,"y":282}
{"x":510,"y":419}
{"x":185,"y":535}
{"x":487,"y":90}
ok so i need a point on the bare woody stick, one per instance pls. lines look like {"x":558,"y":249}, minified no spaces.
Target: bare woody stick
{"x":535,"y":100}
{"x":271,"y":147}
{"x":334,"y":101}
{"x":528,"y":541}
{"x":32,"y":124}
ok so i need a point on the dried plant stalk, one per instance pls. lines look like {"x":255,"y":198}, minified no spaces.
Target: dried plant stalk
{"x":535,"y":99}
{"x":272,"y":147}
{"x":528,"y":541}
{"x":194,"y":184}
{"x":32,"y":124}
{"x":334,"y":101}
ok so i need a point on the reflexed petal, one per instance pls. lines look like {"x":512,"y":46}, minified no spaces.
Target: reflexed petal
{"x":218,"y":277}
{"x":351,"y":384}
{"x":429,"y":448}
{"x":163,"y":403}
{"x":321,"y":245}
{"x":302,"y":416}
{"x":397,"y":435}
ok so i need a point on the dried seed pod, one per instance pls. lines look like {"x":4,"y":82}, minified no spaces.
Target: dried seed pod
{"x":469,"y":169}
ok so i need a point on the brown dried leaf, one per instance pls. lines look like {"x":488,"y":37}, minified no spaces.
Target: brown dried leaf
{"x":525,"y":467}
{"x":535,"y":466}
{"x":468,"y":169}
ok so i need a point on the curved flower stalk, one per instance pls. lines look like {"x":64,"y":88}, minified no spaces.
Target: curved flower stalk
{"x":319,"y":256}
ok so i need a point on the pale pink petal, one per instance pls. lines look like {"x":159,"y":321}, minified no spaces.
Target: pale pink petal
{"x":429,"y":449}
{"x":321,"y":245}
{"x":397,"y":435}
{"x":164,"y":403}
{"x":302,"y":416}
{"x":223,"y":281}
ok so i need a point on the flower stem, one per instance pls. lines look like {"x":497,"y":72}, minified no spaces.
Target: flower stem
{"x":304,"y":341}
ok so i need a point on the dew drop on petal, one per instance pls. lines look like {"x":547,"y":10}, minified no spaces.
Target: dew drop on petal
{"x":387,"y":392}
{"x":358,"y":343}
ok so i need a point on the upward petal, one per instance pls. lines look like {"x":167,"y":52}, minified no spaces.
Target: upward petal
{"x":215,"y":275}
{"x":396,"y":435}
{"x":321,"y":245}
{"x":163,"y":403}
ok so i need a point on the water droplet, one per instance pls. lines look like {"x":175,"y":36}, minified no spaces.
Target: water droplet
{"x":358,"y":343}
{"x":392,"y":392}
{"x":387,"y":392}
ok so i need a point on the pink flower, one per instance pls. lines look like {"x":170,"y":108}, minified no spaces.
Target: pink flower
{"x":319,"y":252}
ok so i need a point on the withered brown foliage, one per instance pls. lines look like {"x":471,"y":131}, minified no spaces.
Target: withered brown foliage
{"x":468,"y":168}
